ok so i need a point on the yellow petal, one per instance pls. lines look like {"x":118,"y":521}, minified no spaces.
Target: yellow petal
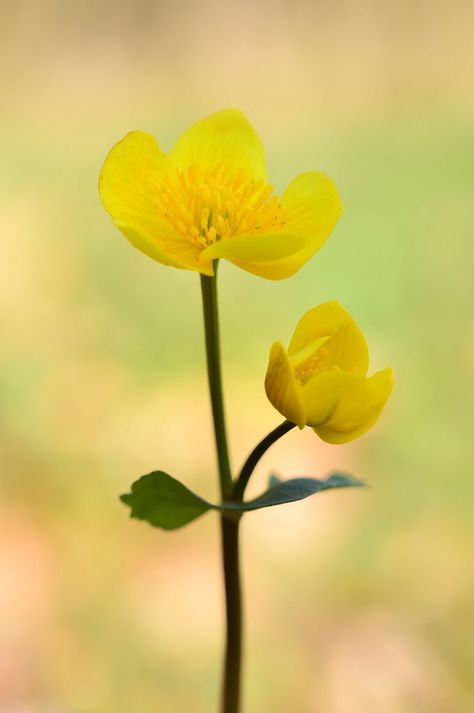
{"x":311,"y":208}
{"x":320,"y":396}
{"x":277,"y":269}
{"x":128,"y":184}
{"x":360,"y":403}
{"x":167,"y":248}
{"x":347,"y":349}
{"x":281,"y":387}
{"x":224,"y":140}
{"x":253,"y":248}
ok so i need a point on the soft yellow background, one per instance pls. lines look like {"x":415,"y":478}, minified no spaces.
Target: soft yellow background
{"x":356,"y":602}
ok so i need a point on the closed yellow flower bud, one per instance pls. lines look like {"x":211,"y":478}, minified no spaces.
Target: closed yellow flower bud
{"x":321,"y":380}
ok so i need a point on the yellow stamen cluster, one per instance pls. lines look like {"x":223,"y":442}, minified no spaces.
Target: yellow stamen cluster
{"x":204,"y":207}
{"x":311,"y":366}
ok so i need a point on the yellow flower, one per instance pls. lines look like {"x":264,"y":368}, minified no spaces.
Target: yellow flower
{"x":209,"y":199}
{"x":321,"y":381}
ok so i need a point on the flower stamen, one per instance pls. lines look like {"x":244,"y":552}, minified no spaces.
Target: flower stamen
{"x":204,"y":207}
{"x":310,"y":360}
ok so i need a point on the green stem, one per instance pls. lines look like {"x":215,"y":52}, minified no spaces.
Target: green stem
{"x":230,"y":702}
{"x":211,"y":324}
{"x":256,"y":454}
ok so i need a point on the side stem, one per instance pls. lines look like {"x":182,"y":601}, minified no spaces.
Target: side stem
{"x":231,"y":683}
{"x":256,"y":454}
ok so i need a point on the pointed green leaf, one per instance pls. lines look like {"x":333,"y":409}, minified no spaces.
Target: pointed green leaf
{"x":288,"y":491}
{"x":273,"y":480}
{"x":163,"y":501}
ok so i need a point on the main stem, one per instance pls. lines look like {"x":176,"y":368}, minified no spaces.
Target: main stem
{"x":230,"y":701}
{"x":231,"y":682}
{"x":213,"y":354}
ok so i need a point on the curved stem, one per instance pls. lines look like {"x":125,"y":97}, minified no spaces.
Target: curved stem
{"x":256,"y":454}
{"x":211,"y":324}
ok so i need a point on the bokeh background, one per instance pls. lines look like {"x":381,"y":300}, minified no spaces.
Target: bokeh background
{"x":356,"y":602}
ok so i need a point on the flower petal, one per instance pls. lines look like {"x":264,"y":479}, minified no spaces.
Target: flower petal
{"x":311,"y":207}
{"x":225,"y":139}
{"x":128,"y":184}
{"x":320,"y":396}
{"x":347,"y":349}
{"x":281,"y":387}
{"x":279,"y":269}
{"x":360,"y":404}
{"x":255,"y":248}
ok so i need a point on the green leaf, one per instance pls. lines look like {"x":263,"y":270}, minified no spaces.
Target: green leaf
{"x":274,"y":480}
{"x":163,"y":501}
{"x":288,"y":491}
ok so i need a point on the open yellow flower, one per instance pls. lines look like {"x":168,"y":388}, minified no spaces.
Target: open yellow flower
{"x":321,"y":381}
{"x":209,"y":199}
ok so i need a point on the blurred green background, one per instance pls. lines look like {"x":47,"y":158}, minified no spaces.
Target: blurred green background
{"x":356,"y":602}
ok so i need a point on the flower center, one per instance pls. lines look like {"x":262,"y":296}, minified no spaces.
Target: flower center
{"x":310,"y":360}
{"x":204,"y":207}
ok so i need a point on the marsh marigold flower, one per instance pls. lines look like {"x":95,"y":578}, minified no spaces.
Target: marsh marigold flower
{"x":321,"y":380}
{"x":209,"y":198}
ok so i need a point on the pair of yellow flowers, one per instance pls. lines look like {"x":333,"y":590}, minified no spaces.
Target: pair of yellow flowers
{"x":209,"y":199}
